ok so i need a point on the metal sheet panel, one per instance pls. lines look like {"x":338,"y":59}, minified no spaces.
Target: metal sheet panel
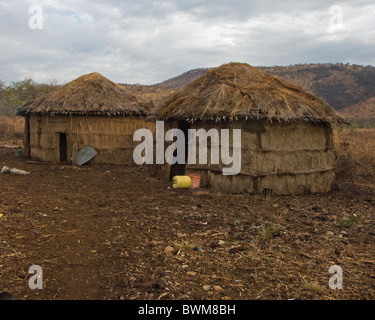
{"x":85,"y":155}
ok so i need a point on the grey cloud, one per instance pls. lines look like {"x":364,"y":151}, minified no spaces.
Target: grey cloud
{"x":150,"y":41}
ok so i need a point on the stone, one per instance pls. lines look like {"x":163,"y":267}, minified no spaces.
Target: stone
{"x":218,"y":289}
{"x":168,"y":250}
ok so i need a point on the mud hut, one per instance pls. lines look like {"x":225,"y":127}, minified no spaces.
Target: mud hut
{"x":91,"y":110}
{"x":286,"y":133}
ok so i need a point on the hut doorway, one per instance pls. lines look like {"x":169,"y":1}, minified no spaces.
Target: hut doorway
{"x":178,"y":169}
{"x":27,"y":136}
{"x":63,"y":148}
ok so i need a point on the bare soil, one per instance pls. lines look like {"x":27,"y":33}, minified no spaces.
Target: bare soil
{"x":113,"y":232}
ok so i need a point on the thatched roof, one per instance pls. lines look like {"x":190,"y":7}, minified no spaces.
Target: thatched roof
{"x":89,"y":94}
{"x":240,"y":91}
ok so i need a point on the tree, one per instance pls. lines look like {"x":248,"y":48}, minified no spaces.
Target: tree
{"x":1,"y":90}
{"x":18,"y":93}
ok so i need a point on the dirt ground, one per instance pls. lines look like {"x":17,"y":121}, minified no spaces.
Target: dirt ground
{"x":112,"y":232}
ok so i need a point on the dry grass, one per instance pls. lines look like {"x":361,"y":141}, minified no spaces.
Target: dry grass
{"x":362,"y":113}
{"x":11,"y":129}
{"x":355,"y":150}
{"x":90,"y":94}
{"x":237,"y":90}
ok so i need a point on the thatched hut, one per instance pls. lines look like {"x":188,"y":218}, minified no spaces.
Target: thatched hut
{"x":91,"y":110}
{"x":286,"y":133}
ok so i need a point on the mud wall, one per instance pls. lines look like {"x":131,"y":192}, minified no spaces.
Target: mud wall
{"x":111,"y":137}
{"x":287,"y":158}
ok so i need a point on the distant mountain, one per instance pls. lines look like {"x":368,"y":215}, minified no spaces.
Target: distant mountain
{"x":182,"y":80}
{"x":350,"y":89}
{"x":158,"y":92}
{"x":341,"y":85}
{"x":154,"y":93}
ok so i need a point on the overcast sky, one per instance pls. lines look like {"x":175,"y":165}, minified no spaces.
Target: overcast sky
{"x":150,"y":41}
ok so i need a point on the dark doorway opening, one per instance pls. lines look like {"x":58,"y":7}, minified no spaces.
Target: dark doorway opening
{"x":27,"y":134}
{"x":178,"y":169}
{"x":63,"y":148}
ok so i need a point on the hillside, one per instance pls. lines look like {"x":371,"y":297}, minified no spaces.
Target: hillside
{"x":158,"y":92}
{"x":155,"y":93}
{"x":182,"y":80}
{"x":340,"y":85}
{"x":363,"y":113}
{"x":350,"y":89}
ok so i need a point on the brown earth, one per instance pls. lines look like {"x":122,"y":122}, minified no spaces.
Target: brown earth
{"x":104,"y":232}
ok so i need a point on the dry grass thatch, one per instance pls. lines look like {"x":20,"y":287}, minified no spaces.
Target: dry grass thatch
{"x":238,"y":90}
{"x":89,"y":94}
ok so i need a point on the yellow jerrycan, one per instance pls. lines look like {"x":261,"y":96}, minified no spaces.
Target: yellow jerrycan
{"x":181,"y":182}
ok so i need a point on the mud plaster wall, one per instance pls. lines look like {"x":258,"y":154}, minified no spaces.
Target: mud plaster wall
{"x":294,"y":158}
{"x":111,"y":137}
